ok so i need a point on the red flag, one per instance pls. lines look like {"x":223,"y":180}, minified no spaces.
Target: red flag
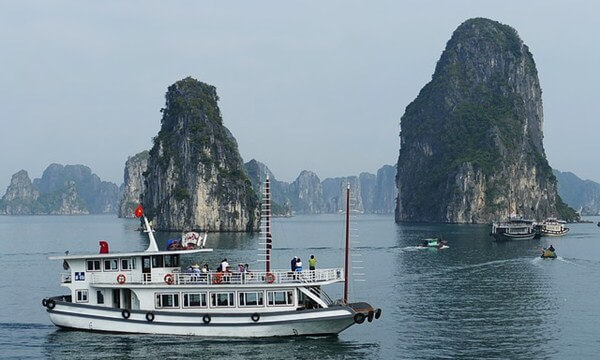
{"x":139,"y":211}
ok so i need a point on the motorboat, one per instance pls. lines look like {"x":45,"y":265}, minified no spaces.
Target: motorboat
{"x":435,"y":243}
{"x":149,"y":292}
{"x":549,"y":253}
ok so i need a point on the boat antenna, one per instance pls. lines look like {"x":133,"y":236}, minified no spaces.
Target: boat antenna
{"x":152,"y":245}
{"x":346,"y":268}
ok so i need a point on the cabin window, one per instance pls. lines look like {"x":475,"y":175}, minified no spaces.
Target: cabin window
{"x":157,"y":261}
{"x":99,"y":297}
{"x":276,"y":298}
{"x":166,"y":301}
{"x":251,"y":298}
{"x":224,"y":299}
{"x":93,"y":265}
{"x":81,"y":296}
{"x":128,"y":264}
{"x":111,"y":265}
{"x":171,"y":260}
{"x":194,"y":300}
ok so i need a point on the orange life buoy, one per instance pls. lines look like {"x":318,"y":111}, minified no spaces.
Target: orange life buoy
{"x":218,"y":278}
{"x":269,"y":278}
{"x":169,"y":279}
{"x":121,"y":279}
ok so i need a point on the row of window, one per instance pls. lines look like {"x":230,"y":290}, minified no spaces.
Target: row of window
{"x":81,"y":296}
{"x":111,"y":264}
{"x":224,"y":299}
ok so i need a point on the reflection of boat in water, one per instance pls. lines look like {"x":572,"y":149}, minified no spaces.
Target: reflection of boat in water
{"x":549,"y":253}
{"x":551,"y":227}
{"x":435,"y":243}
{"x":515,"y":228}
{"x":150,"y":292}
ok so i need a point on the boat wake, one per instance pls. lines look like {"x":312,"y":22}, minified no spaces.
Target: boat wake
{"x":413,"y":248}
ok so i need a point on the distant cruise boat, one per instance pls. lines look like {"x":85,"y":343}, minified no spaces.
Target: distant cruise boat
{"x":148,"y":292}
{"x":552,"y":227}
{"x":514,"y":228}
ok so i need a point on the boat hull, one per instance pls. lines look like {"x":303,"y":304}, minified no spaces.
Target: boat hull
{"x":510,"y":237}
{"x":328,"y":321}
{"x":554,"y":233}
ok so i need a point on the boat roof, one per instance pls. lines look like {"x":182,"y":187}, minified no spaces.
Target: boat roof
{"x":127,"y":254}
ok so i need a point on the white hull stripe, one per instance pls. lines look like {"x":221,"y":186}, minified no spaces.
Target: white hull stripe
{"x":259,"y":323}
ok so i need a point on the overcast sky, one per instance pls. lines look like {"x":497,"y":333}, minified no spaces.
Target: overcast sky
{"x":317,"y":85}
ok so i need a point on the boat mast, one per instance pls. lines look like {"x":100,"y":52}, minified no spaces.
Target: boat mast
{"x":268,"y":224}
{"x":346,"y":268}
{"x":152,"y":244}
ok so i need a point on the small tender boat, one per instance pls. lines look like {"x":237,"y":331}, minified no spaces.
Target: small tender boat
{"x":435,"y":243}
{"x":549,"y":253}
{"x":515,"y":228}
{"x":149,"y":292}
{"x":551,"y":227}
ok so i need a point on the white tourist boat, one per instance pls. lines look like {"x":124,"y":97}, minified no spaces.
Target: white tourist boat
{"x":514,"y":228}
{"x":149,"y":292}
{"x":552,"y":227}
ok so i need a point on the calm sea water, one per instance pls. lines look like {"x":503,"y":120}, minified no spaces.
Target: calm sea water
{"x":477,"y":299}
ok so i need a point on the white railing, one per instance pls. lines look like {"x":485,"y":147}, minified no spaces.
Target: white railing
{"x":220,"y":278}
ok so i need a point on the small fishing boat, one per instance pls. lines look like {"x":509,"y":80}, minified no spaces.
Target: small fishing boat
{"x":514,"y":228}
{"x":551,"y":227}
{"x":149,"y":292}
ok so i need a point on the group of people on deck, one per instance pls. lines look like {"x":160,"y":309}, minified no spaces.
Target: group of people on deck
{"x":296,"y":263}
{"x":224,"y":270}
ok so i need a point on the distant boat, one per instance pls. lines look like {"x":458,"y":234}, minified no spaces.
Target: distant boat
{"x":551,"y":227}
{"x":514,"y":228}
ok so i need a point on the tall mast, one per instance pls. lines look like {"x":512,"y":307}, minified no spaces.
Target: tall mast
{"x":346,"y":266}
{"x":267,"y":210}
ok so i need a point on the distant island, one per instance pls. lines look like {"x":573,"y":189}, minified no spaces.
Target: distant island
{"x":62,"y":190}
{"x":472,"y":141}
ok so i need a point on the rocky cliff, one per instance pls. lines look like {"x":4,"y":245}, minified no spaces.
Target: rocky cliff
{"x":20,"y":197}
{"x":62,"y":190}
{"x":133,"y":183}
{"x":582,"y":195}
{"x":99,"y":197}
{"x":280,"y":198}
{"x":385,"y":190}
{"x":308,"y":195}
{"x":471,"y":142}
{"x":195,"y":177}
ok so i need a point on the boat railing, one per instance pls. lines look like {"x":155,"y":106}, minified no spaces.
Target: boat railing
{"x":219,"y":278}
{"x":65,"y":278}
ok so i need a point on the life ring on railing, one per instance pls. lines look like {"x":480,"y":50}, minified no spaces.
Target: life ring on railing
{"x":125,"y":314}
{"x":206,"y":319}
{"x":169,"y":279}
{"x":255,"y":317}
{"x":270,"y":278}
{"x":150,"y":317}
{"x":121,"y":279}
{"x":359,"y":318}
{"x":51,"y":304}
{"x":217,"y":279}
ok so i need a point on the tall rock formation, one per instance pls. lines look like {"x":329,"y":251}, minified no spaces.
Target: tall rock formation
{"x":385,"y":190}
{"x":368,"y":183}
{"x":334,"y":194}
{"x":133,"y":183}
{"x":280,"y":199}
{"x":471,"y":142}
{"x":20,"y":197}
{"x":307,"y":193}
{"x":582,"y":195}
{"x":195,"y":177}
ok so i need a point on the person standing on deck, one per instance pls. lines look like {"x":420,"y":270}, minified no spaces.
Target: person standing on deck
{"x":293,"y":263}
{"x":312,"y":263}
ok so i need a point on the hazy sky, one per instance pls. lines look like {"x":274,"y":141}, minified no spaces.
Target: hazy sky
{"x":318,"y":85}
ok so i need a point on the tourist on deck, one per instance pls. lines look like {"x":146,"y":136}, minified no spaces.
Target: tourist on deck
{"x":293,"y":263}
{"x":312,"y":263}
{"x":298,"y":264}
